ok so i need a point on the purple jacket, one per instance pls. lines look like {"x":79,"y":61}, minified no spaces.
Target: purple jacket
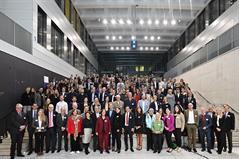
{"x":169,"y":122}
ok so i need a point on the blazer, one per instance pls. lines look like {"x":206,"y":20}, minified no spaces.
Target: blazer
{"x":43,"y":128}
{"x":178,"y":98}
{"x":103,"y":126}
{"x":71,"y":125}
{"x":101,"y":97}
{"x":192,"y":100}
{"x":117,"y":123}
{"x":131,"y":103}
{"x":112,"y":115}
{"x":131,"y":121}
{"x":54,"y":118}
{"x":30,"y":119}
{"x":208,"y":123}
{"x":61,"y":122}
{"x":94,"y":120}
{"x":195,"y":112}
{"x":90,"y":97}
{"x":16,"y":121}
{"x":220,"y":125}
{"x":169,"y":122}
{"x":229,"y":121}
{"x":153,"y":105}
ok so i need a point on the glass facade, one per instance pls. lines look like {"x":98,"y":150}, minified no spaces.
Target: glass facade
{"x":211,"y":12}
{"x":41,"y":27}
{"x":57,"y":40}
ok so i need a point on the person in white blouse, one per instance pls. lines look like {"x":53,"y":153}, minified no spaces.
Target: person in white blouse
{"x":61,"y":104}
{"x":144,"y":104}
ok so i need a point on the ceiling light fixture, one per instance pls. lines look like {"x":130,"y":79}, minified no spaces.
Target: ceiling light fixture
{"x":151,"y":48}
{"x":127,"y":48}
{"x":111,"y":48}
{"x":165,"y":22}
{"x":141,"y":21}
{"x":157,"y":48}
{"x":152,"y":38}
{"x":149,"y":22}
{"x":133,"y":37}
{"x":145,"y":37}
{"x":158,"y":37}
{"x":117,"y":48}
{"x":156,"y":22}
{"x":105,"y":21}
{"x":141,"y":48}
{"x":122,"y":48}
{"x":113,"y":21}
{"x":146,"y":48}
{"x":120,"y":37}
{"x":107,"y":37}
{"x":113,"y":37}
{"x":121,"y":21}
{"x":173,"y":22}
{"x":129,"y":22}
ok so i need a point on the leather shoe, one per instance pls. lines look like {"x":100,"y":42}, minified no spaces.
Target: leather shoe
{"x":194,"y":150}
{"x":132,"y":150}
{"x":21,"y":155}
{"x":29,"y":153}
{"x":209,"y":151}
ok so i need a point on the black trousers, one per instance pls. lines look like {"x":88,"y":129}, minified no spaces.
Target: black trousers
{"x":149,"y":139}
{"x":95,"y":142}
{"x":112,"y":138}
{"x":178,"y":134}
{"x":30,"y":141}
{"x":60,"y":135}
{"x":158,"y":142}
{"x":16,"y":139}
{"x":39,"y":141}
{"x":118,"y":140}
{"x":212,"y":139}
{"x":128,"y":132}
{"x":227,"y":135}
{"x":75,"y":144}
{"x":51,"y":139}
{"x":220,"y":140}
{"x":168,"y":136}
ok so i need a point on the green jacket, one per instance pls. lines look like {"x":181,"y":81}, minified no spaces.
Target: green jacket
{"x":157,"y":127}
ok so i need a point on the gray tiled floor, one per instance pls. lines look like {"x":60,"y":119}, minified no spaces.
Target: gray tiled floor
{"x":139,"y":155}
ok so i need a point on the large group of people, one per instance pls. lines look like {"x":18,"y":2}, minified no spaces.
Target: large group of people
{"x":100,"y":109}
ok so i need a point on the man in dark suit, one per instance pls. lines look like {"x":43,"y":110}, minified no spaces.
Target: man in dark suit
{"x":31,"y":116}
{"x":17,"y":130}
{"x":61,"y":129}
{"x":128,"y":128}
{"x":112,"y":96}
{"x":103,"y":95}
{"x":130,"y":101}
{"x":155,"y":105}
{"x":51,"y":129}
{"x":94,"y":117}
{"x":80,"y":99}
{"x":205,"y":126}
{"x":111,"y":114}
{"x":229,"y":124}
{"x":92,"y":95}
{"x":190,"y":99}
{"x":178,"y":96}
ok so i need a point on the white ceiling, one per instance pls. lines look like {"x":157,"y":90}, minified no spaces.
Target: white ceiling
{"x":94,"y":12}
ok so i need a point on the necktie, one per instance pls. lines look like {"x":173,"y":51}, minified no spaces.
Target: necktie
{"x":127,"y":119}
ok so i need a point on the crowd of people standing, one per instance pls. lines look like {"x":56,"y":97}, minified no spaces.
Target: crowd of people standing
{"x":100,"y":109}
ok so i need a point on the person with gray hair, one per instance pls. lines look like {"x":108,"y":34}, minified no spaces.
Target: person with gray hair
{"x":17,"y":129}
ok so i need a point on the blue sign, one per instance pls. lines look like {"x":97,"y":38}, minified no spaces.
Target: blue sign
{"x":133,"y":44}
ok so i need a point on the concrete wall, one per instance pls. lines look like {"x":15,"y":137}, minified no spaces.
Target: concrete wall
{"x":218,"y":79}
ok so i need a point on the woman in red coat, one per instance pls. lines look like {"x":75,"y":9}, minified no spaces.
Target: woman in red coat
{"x":74,"y":129}
{"x":103,"y":129}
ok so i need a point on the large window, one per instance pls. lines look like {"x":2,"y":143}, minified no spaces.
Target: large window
{"x":57,"y":40}
{"x":201,"y":22}
{"x":68,"y":9}
{"x":41,"y":28}
{"x":213,"y":10}
{"x":69,"y":52}
{"x":191,"y":32}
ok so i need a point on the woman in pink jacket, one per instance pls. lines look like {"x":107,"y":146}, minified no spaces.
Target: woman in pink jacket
{"x":169,"y":128}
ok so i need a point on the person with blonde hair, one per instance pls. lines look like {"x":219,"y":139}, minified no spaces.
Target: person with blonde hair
{"x":40,"y":124}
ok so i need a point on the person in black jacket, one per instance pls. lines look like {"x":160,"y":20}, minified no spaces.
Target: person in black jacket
{"x":130,"y":101}
{"x":229,"y":120}
{"x":218,"y":125}
{"x":117,"y":128}
{"x":51,"y":129}
{"x":26,"y":100}
{"x":17,"y":130}
{"x":87,"y":128}
{"x":31,"y":116}
{"x":139,"y":123}
{"x":128,"y":128}
{"x":40,"y":125}
{"x":94,"y":117}
{"x":61,"y":124}
{"x":111,"y":114}
{"x":155,"y":104}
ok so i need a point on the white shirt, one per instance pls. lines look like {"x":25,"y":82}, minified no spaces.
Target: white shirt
{"x":61,"y":104}
{"x":39,"y":123}
{"x":156,"y":105}
{"x":191,"y":117}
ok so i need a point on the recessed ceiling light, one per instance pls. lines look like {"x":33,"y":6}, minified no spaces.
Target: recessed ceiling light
{"x":111,"y":48}
{"x":141,"y":48}
{"x":151,"y":48}
{"x":141,"y":21}
{"x":122,"y":48}
{"x":152,"y":38}
{"x":121,"y":21}
{"x":133,"y":37}
{"x":157,"y":48}
{"x":145,"y":37}
{"x":173,"y":22}
{"x":113,"y":21}
{"x":146,"y":48}
{"x":129,"y":21}
{"x":156,"y":22}
{"x":105,"y":21}
{"x":107,"y":37}
{"x":127,"y":48}
{"x":158,"y":37}
{"x":113,"y":37}
{"x":165,"y":22}
{"x":149,"y":22}
{"x":120,"y":37}
{"x":117,"y":48}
